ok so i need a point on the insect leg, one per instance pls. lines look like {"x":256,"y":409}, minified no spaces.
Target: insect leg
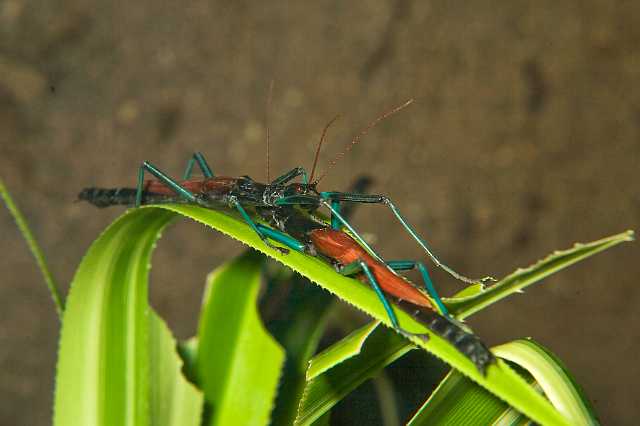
{"x":381,"y":199}
{"x":281,"y":237}
{"x":253,"y":226}
{"x":359,"y":266}
{"x":405,"y":265}
{"x":360,"y":185}
{"x":171,"y":184}
{"x":335,"y":222}
{"x":290,"y":175}
{"x":198,"y":158}
{"x":297,"y":200}
{"x":335,"y":213}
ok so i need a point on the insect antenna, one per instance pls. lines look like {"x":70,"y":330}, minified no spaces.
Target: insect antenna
{"x":315,"y":159}
{"x":266,"y":119}
{"x":362,"y":133}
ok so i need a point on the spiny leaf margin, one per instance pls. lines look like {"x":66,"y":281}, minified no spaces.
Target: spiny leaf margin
{"x":473,"y":296}
{"x":476,"y":298}
{"x":103,"y":366}
{"x":499,"y":379}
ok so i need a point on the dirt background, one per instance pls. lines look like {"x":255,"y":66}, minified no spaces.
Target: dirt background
{"x":524,"y":138}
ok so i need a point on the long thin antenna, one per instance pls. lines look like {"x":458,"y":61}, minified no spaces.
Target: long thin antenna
{"x":362,"y":133}
{"x":266,"y":119}
{"x":315,"y":159}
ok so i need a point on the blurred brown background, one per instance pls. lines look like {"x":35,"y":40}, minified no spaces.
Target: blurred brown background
{"x":524,"y":139}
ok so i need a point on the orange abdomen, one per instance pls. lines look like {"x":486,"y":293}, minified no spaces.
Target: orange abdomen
{"x":219,"y":184}
{"x":345,"y":250}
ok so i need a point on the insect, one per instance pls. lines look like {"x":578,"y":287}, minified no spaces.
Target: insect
{"x":288,"y":207}
{"x":243,"y":192}
{"x":303,"y":231}
{"x":351,"y":259}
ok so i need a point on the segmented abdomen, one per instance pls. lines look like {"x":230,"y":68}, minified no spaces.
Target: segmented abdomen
{"x":342,"y":248}
{"x":105,"y":197}
{"x":467,"y":343}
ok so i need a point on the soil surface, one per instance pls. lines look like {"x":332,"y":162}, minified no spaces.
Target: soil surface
{"x":524,"y":138}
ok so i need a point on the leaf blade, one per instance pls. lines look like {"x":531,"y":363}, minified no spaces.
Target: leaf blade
{"x":462,"y":307}
{"x":34,"y":247}
{"x":553,"y":378}
{"x":499,"y":379}
{"x":102,"y":372}
{"x":456,"y":398}
{"x":334,"y":373}
{"x":174,"y":400}
{"x":238,"y":363}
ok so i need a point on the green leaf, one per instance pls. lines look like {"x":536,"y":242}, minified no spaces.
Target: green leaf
{"x":458,"y":399}
{"x":342,"y":350}
{"x":499,"y":379}
{"x":174,"y":401}
{"x":469,"y":302}
{"x":112,"y":290}
{"x":188,"y":352}
{"x":324,"y":420}
{"x":103,"y":362}
{"x":297,"y":322}
{"x":36,"y":251}
{"x":238,"y":362}
{"x":553,"y":263}
{"x":552,"y":377}
{"x":333,"y":375}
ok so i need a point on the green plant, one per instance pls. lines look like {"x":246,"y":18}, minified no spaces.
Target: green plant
{"x":119,"y":364}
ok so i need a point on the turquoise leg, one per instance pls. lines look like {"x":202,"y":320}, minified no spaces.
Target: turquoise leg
{"x":290,"y":175}
{"x":406,"y":265}
{"x":170,"y":183}
{"x":139,"y":186}
{"x":257,"y":230}
{"x":359,"y":266}
{"x":281,"y":237}
{"x":350,"y":269}
{"x":426,"y":248}
{"x":198,"y":159}
{"x":381,"y":199}
{"x":401,"y":265}
{"x":335,"y":213}
{"x":335,"y":222}
{"x":297,"y":200}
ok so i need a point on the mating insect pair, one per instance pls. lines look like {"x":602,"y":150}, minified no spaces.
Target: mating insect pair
{"x":289,"y":208}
